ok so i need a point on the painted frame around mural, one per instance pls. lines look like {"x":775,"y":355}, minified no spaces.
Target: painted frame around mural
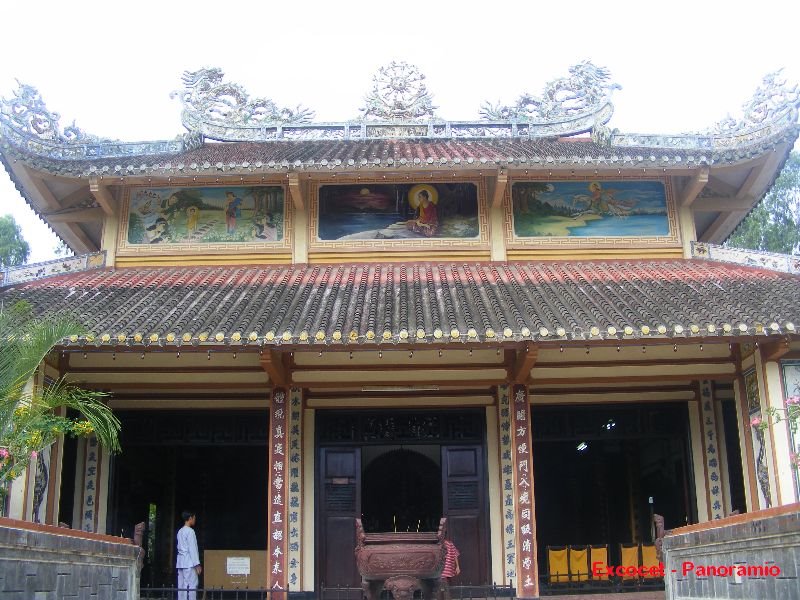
{"x":350,"y":245}
{"x":126,"y":248}
{"x":671,"y":240}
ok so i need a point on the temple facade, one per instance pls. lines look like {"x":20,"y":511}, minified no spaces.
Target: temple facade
{"x":525,"y":323}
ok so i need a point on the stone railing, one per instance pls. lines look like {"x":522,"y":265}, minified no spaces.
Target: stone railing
{"x":51,"y":268}
{"x":751,"y":258}
{"x":747,"y":556}
{"x":58,"y":563}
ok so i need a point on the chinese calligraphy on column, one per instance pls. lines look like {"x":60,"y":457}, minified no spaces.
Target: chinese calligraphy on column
{"x":295,"y":484}
{"x":528,"y":585}
{"x":91,"y":478}
{"x":711,"y":449}
{"x":507,"y":477}
{"x":278,"y":497}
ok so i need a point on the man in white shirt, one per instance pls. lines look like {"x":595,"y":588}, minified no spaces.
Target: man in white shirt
{"x":188,"y":558}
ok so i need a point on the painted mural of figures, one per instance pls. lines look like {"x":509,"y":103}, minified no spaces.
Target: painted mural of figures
{"x":192,"y":214}
{"x":157,"y":232}
{"x":427,"y":221}
{"x":264,"y":227}
{"x":233,"y":210}
{"x":602,"y":202}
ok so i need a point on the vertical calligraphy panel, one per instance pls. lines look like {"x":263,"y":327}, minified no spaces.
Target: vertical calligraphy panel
{"x":507,"y":478}
{"x":295,"y":480}
{"x":711,"y":450}
{"x":521,"y":447}
{"x":278,"y":496}
{"x":91,"y":480}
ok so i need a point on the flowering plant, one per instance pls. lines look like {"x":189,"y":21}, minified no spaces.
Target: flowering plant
{"x":790,"y":413}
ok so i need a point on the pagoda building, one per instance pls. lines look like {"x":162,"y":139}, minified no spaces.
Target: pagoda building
{"x":524,"y":323}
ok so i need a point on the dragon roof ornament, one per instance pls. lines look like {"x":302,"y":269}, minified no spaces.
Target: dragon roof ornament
{"x":209,"y":103}
{"x":28,"y":128}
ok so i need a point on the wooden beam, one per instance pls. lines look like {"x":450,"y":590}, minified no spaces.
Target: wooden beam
{"x":500,"y":183}
{"x":102,"y":195}
{"x":526,"y":359}
{"x":721,"y":187}
{"x":81,"y":195}
{"x":272,"y":363}
{"x":296,"y":191}
{"x":75,"y":237}
{"x":694,"y":186}
{"x":775,"y":350}
{"x":726,"y":204}
{"x":82,"y":215}
{"x":722,"y":227}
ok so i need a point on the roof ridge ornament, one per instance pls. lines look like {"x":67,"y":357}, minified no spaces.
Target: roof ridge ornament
{"x":28,"y":117}
{"x":398,"y":94}
{"x":773,"y":101}
{"x":210,"y":103}
{"x":585,"y":91}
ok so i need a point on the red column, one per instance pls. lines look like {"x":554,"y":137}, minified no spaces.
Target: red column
{"x":277,"y":543}
{"x":527,"y":569}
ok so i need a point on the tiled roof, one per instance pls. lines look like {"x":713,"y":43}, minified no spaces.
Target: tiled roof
{"x":346,"y":155}
{"x":420,"y":303}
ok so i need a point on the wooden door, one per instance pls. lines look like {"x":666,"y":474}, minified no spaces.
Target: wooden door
{"x":339,"y":505}
{"x":464,"y":499}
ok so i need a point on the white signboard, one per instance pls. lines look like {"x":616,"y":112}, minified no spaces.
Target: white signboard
{"x":238,"y":565}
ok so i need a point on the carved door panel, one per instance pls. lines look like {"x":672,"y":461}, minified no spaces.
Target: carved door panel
{"x":464,"y":499}
{"x":339,"y":505}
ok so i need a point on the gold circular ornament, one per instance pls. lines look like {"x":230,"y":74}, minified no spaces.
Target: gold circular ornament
{"x":73,"y":338}
{"x":678,"y":329}
{"x":711,"y":328}
{"x":438,"y":333}
{"x":121,"y":338}
{"x":106,"y":337}
{"x":237,"y":336}
{"x":319,"y":336}
{"x":420,"y":334}
{"x":287,"y":335}
{"x":727,"y":327}
{"x":253,"y":336}
{"x":353,"y":335}
{"x":89,"y":338}
{"x":337,"y":335}
{"x":544,"y":332}
{"x":472,"y":333}
{"x":170,"y":337}
{"x":561,"y":332}
{"x":414,"y":197}
{"x":525,"y":332}
{"x":611,"y":330}
{"x":203,"y":336}
{"x":454,"y":333}
{"x":628,"y":330}
{"x":304,"y":336}
{"x":153,"y":337}
{"x":694,"y":328}
{"x":594,"y":331}
{"x":270,"y":336}
{"x":774,"y":326}
{"x":403,"y":334}
{"x":370,"y":335}
{"x":645,"y":330}
{"x":220,"y":336}
{"x":507,"y":332}
{"x":662,"y":329}
{"x":789,"y":326}
{"x":742,"y":327}
{"x":387,"y":335}
{"x":490,"y":333}
{"x":187,"y":337}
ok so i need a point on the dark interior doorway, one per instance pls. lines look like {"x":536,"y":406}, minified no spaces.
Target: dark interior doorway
{"x":215,"y":465}
{"x":399,"y":470}
{"x":596,"y":469}
{"x":401,"y":488}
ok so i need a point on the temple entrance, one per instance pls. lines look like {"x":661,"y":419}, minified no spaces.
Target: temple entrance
{"x":399,"y":471}
{"x":212,"y":463}
{"x":597,"y":469}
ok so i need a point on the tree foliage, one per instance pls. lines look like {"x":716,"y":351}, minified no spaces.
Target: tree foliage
{"x":29,"y":414}
{"x":14,"y":250}
{"x":774,"y":224}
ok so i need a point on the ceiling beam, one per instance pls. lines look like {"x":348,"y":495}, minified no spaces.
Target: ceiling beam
{"x":79,"y":196}
{"x":526,"y":359}
{"x":775,"y":350}
{"x":296,"y":191}
{"x":102,"y":195}
{"x":81,"y":215}
{"x":694,"y":186}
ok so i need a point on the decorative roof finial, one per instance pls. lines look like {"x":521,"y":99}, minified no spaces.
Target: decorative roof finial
{"x":208,"y":101}
{"x":398,"y":94}
{"x":585,"y":92}
{"x":774,"y":100}
{"x":27,"y":116}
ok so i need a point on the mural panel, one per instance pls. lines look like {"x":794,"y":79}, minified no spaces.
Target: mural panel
{"x":201,"y":216}
{"x":603,"y":209}
{"x":759,"y":441}
{"x":398,"y":211}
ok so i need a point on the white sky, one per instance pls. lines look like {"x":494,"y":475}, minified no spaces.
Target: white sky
{"x":110,"y":66}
